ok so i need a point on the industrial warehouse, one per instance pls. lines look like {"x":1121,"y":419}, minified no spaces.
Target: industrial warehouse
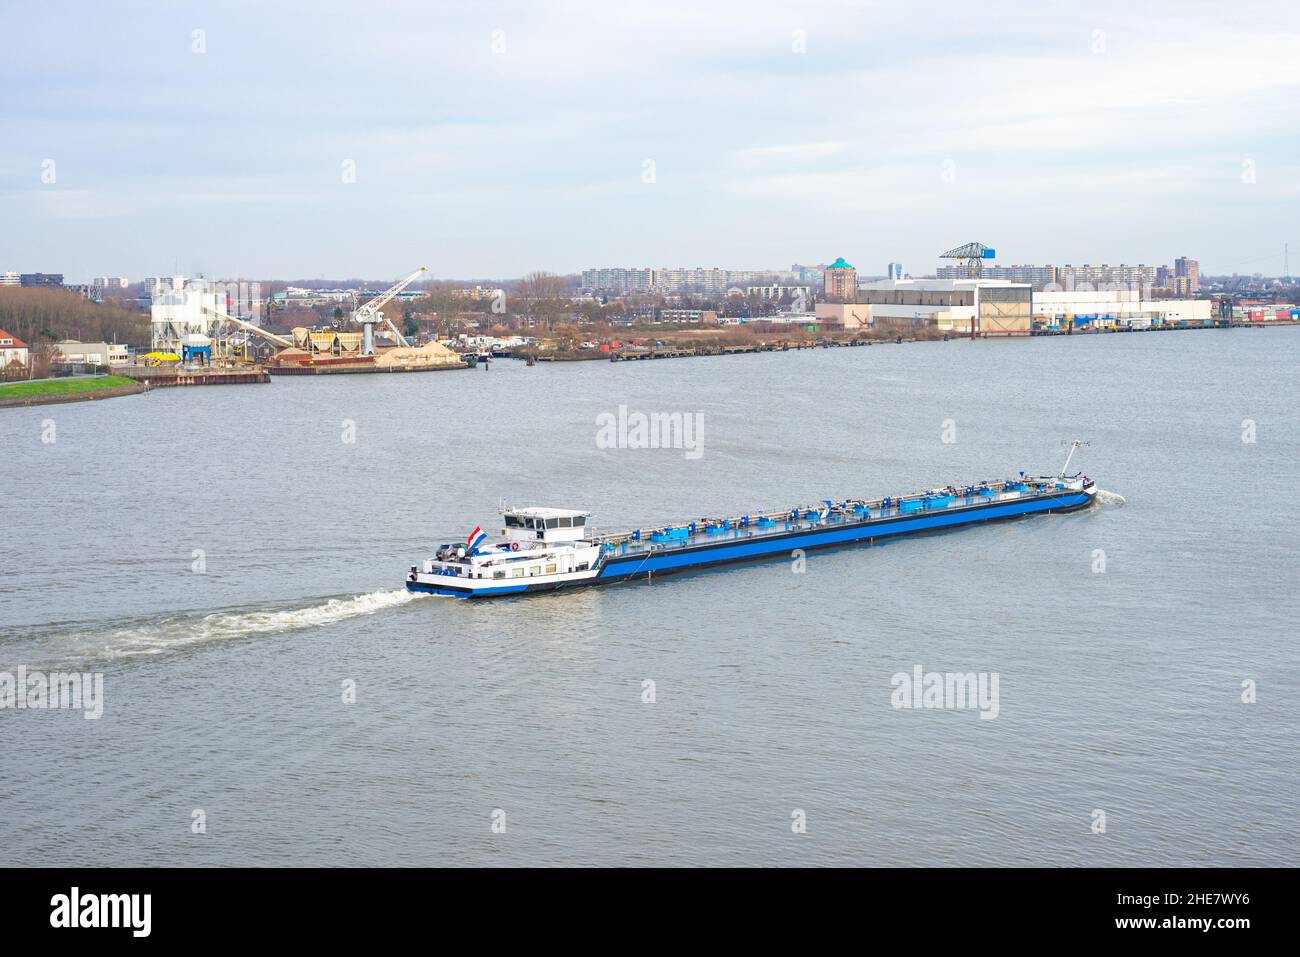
{"x":969,"y":303}
{"x":992,"y":307}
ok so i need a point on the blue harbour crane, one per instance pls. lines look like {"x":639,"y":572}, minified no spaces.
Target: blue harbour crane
{"x":971,"y":256}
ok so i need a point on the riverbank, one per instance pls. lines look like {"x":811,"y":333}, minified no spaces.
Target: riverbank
{"x":51,"y":391}
{"x":700,"y":343}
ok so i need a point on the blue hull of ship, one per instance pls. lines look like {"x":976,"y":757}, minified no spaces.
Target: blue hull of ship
{"x":618,"y":569}
{"x":623,"y":568}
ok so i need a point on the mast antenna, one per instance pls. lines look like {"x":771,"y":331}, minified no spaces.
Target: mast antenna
{"x":1073,"y":446}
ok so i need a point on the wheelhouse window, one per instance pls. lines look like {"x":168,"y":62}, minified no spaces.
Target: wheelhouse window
{"x":512,"y":521}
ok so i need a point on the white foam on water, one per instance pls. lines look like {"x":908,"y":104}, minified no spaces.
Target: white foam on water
{"x":1109,"y":498}
{"x":180,"y":631}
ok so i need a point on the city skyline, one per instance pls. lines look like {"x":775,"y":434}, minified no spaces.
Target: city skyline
{"x":644,"y":278}
{"x":743,"y":136}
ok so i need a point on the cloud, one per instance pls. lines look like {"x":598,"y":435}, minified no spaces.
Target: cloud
{"x":790,"y":151}
{"x":1087,"y":112}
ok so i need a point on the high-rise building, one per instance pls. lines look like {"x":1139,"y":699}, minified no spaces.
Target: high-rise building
{"x":237,"y":298}
{"x":1068,"y":276}
{"x":86,"y":291}
{"x":672,"y":280}
{"x":1187,"y":276}
{"x":41,"y":279}
{"x":840,"y":282}
{"x":155,"y":286}
{"x":741,"y":277}
{"x":896,"y":271}
{"x":617,"y":280}
{"x":1036,"y":276}
{"x":1072,"y":277}
{"x":811,"y":274}
{"x":691,"y":280}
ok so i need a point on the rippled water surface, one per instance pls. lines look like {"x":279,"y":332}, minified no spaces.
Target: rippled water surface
{"x":1119,"y":691}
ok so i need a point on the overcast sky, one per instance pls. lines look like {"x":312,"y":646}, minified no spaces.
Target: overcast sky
{"x":491,"y":139}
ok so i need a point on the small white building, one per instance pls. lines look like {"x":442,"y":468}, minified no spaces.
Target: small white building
{"x":688,"y":316}
{"x":72,"y":352}
{"x":12,"y":350}
{"x":791,"y":319}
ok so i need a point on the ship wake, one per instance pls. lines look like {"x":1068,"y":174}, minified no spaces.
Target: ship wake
{"x":1109,"y":498}
{"x":160,"y":634}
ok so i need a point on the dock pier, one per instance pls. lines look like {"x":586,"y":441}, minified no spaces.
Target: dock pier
{"x":165,"y":377}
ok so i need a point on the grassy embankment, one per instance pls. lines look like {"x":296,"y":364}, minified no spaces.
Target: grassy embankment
{"x":23,"y":390}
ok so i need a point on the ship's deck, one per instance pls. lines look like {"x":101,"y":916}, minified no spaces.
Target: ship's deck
{"x":709,"y":530}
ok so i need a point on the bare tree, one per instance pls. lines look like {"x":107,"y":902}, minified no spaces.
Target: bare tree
{"x":33,"y":314}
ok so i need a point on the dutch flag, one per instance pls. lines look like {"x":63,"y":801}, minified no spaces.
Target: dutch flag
{"x":476,"y":538}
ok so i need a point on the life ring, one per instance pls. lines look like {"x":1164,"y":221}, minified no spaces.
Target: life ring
{"x":514,"y":546}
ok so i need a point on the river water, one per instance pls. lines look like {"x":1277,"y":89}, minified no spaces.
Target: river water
{"x":230,"y":560}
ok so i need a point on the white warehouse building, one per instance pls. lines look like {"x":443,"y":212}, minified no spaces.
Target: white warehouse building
{"x":1001,"y":308}
{"x":997,"y":307}
{"x":1121,"y":306}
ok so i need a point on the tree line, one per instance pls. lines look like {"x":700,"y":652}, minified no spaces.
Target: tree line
{"x":49,"y":315}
